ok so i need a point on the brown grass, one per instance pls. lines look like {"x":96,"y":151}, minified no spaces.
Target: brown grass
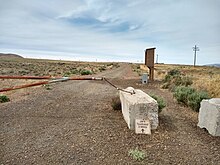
{"x":204,"y":78}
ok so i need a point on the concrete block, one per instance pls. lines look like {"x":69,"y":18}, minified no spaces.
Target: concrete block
{"x":209,"y":116}
{"x":138,"y":106}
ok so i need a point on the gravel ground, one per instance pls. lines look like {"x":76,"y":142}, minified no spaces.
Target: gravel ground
{"x":74,"y":124}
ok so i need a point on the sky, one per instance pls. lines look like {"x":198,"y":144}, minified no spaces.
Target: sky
{"x":111,"y":30}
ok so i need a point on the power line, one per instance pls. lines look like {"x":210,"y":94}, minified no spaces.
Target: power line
{"x":195,"y":49}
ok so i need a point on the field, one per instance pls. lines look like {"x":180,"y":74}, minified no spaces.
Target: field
{"x":74,"y":122}
{"x":36,"y":67}
{"x":204,"y":77}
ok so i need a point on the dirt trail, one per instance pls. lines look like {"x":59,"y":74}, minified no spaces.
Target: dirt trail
{"x":75,"y":124}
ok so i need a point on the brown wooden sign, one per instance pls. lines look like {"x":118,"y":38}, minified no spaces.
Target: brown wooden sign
{"x":149,"y":61}
{"x":149,"y":57}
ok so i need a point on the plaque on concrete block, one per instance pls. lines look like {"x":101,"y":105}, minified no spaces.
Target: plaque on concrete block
{"x":142,"y":126}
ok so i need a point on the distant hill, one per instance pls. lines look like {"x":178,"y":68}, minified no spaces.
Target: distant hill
{"x":214,"y":65}
{"x":9,"y":55}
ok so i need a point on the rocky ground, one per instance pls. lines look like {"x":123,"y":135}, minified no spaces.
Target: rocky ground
{"x":74,"y":123}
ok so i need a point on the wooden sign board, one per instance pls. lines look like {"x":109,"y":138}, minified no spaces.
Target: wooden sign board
{"x":142,"y":126}
{"x":149,"y":57}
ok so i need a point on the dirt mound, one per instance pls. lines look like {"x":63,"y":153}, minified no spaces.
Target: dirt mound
{"x":9,"y":55}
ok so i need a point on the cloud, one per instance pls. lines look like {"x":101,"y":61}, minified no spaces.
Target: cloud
{"x":115,"y":29}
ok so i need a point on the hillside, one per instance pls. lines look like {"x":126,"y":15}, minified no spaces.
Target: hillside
{"x":214,"y":65}
{"x":9,"y":55}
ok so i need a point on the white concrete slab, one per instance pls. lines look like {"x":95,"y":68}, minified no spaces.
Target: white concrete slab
{"x":209,"y":116}
{"x":138,"y":106}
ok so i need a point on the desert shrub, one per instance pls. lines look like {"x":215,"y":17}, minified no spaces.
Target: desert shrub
{"x":66,"y":74}
{"x":102,"y":68}
{"x":174,"y":72}
{"x":4,"y":99}
{"x":177,"y":80}
{"x":181,"y":94}
{"x":167,"y":78}
{"x":86,"y":72}
{"x":47,"y":87}
{"x":160,"y":101}
{"x":190,"y":97}
{"x":186,"y":81}
{"x":136,"y":154}
{"x":195,"y":98}
{"x":110,"y":64}
{"x":116,"y":103}
{"x":116,"y":65}
{"x":165,"y":85}
{"x":74,"y":71}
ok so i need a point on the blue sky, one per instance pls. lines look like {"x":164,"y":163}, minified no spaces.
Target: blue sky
{"x":111,"y":30}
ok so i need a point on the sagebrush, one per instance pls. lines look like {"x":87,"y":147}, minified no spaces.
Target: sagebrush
{"x":190,"y":96}
{"x":160,"y":101}
{"x":137,"y":154}
{"x":4,"y":99}
{"x":116,"y":103}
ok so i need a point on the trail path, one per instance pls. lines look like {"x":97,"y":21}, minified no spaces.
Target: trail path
{"x":75,"y":124}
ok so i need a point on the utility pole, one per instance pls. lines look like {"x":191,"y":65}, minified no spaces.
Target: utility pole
{"x":195,"y":49}
{"x":157,"y":59}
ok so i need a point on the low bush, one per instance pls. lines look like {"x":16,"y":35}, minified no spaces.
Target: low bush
{"x":136,"y":154}
{"x":195,"y":99}
{"x":160,"y":101}
{"x":176,"y":80}
{"x":74,"y":71}
{"x":66,"y":74}
{"x":181,"y":94}
{"x":102,"y":68}
{"x":4,"y":99}
{"x":186,"y":81}
{"x":116,"y":103}
{"x":190,"y":97}
{"x":167,"y":78}
{"x":86,"y":72}
{"x":174,"y":72}
{"x":47,"y":87}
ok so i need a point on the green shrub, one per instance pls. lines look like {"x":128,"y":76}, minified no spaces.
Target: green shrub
{"x":160,"y":101}
{"x":165,"y":85}
{"x":110,"y":64}
{"x":136,"y":154}
{"x":189,"y":96}
{"x":102,"y":68}
{"x":48,"y":87}
{"x":181,"y":94}
{"x":116,"y":103}
{"x":195,"y":99}
{"x":186,"y":81}
{"x":174,"y":72}
{"x":86,"y":72}
{"x":167,"y":78}
{"x":4,"y":99}
{"x":177,"y":80}
{"x":74,"y":71}
{"x":66,"y":74}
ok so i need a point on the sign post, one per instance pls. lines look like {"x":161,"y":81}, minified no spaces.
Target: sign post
{"x":149,"y":61}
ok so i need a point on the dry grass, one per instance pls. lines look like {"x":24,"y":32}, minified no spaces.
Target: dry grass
{"x":204,"y":78}
{"x":40,"y":67}
{"x":209,"y":84}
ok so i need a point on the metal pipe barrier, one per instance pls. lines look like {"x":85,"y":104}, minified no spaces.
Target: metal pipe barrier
{"x":54,"y":80}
